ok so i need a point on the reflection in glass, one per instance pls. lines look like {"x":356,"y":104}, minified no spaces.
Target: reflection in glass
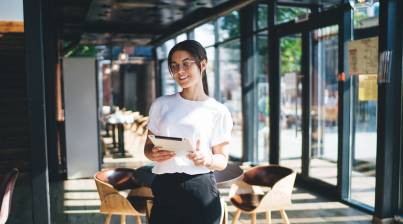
{"x":365,"y":17}
{"x":262,"y":153}
{"x":291,"y":110}
{"x":286,"y":14}
{"x":363,"y":155}
{"x":261,"y":16}
{"x":324,"y":101}
{"x":204,"y":34}
{"x":230,"y":82}
{"x":210,"y":70}
{"x":228,"y":26}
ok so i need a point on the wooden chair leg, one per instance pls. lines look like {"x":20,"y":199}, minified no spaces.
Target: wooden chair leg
{"x":284,"y":216}
{"x":268,"y":217}
{"x":123,"y":219}
{"x":138,"y":219}
{"x":149,"y":206}
{"x":108,"y":219}
{"x":253,"y":216}
{"x":224,"y":212}
{"x":236,"y":216}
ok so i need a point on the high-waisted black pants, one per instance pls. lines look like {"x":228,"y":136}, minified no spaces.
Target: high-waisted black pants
{"x":185,"y":199}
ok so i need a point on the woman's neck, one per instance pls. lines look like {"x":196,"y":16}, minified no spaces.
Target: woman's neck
{"x":195,"y":94}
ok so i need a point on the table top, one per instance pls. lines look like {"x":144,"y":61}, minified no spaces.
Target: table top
{"x":224,"y":177}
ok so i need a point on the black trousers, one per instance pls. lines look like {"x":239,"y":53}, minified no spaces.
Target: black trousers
{"x":182,"y":198}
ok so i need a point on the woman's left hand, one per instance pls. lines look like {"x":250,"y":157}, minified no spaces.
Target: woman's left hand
{"x":200,"y":158}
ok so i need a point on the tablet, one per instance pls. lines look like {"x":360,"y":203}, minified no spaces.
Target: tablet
{"x":181,"y":146}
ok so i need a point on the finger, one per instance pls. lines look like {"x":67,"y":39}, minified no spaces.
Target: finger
{"x":199,"y":157}
{"x":198,"y":163}
{"x":198,"y":145}
{"x":163,"y":153}
{"x":191,"y":155}
{"x":163,"y":158}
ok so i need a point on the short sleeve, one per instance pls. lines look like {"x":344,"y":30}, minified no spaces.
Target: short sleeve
{"x":222,"y":130}
{"x":154,"y":116}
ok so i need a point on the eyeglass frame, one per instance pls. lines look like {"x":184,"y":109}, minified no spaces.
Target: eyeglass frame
{"x":180,"y":66}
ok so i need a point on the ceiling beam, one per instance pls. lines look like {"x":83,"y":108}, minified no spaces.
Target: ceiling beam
{"x":200,"y":17}
{"x":108,"y":27}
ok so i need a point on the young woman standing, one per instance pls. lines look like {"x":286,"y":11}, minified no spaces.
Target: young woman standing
{"x":184,"y":188}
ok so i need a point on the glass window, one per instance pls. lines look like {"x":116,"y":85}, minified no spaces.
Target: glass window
{"x":364,"y":134}
{"x":169,"y":85}
{"x":261,"y":60}
{"x":205,"y":34}
{"x":324,"y":105}
{"x":12,"y":11}
{"x":168,"y":46}
{"x":230,"y":87}
{"x":228,"y":26}
{"x":211,"y":70}
{"x":366,"y":16}
{"x":181,"y":38}
{"x":262,"y":16}
{"x":290,"y":102}
{"x":161,"y":52}
{"x":286,"y":14}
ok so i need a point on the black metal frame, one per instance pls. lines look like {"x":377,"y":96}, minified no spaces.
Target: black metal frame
{"x":400,"y":181}
{"x":389,"y":114}
{"x":344,"y":119}
{"x":248,"y":82}
{"x":34,"y":52}
{"x":274,"y":84}
{"x":306,"y":68}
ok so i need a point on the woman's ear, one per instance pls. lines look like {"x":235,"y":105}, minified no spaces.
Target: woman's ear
{"x":203,"y":65}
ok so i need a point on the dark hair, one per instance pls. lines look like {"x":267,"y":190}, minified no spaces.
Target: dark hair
{"x":197,"y":51}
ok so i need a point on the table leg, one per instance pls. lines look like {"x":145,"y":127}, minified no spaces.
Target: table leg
{"x":121,"y":143}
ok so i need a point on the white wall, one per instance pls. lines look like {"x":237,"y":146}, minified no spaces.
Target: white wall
{"x":79,"y":75}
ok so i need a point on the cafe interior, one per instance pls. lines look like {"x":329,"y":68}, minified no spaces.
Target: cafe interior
{"x":314,"y":89}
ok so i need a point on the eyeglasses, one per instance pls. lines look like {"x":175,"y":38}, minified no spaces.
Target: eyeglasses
{"x":175,"y":68}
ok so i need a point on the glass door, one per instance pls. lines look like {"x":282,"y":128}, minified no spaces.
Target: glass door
{"x":290,"y":101}
{"x":324,"y":105}
{"x":364,"y":134}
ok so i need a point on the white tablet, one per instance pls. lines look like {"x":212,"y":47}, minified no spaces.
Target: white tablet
{"x":181,"y":146}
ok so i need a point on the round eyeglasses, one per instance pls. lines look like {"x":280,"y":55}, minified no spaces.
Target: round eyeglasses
{"x":175,"y":68}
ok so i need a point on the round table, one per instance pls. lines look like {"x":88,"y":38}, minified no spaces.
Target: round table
{"x":143,"y":178}
{"x":224,"y":178}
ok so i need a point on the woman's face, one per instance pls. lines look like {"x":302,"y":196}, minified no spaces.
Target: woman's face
{"x":185,"y":70}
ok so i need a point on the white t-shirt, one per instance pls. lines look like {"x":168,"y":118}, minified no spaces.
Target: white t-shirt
{"x":173,"y":116}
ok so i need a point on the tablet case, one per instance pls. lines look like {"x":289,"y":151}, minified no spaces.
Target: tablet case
{"x":181,"y":146}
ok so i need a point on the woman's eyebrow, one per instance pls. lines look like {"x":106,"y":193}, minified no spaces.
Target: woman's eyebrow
{"x":186,"y":59}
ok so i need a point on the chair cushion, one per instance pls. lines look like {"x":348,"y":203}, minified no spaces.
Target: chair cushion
{"x":139,"y":203}
{"x":246,"y":202}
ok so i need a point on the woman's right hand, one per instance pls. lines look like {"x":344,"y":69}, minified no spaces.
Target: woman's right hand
{"x":159,"y":155}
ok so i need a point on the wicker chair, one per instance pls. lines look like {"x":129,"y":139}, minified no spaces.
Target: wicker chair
{"x":6,"y":192}
{"x":113,"y":202}
{"x":248,"y":195}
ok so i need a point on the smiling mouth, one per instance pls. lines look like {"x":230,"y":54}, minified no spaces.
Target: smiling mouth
{"x":183,"y":77}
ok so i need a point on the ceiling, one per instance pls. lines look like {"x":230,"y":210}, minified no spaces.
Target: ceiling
{"x":138,"y":22}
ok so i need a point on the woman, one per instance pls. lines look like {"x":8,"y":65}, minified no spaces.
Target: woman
{"x":184,"y":189}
